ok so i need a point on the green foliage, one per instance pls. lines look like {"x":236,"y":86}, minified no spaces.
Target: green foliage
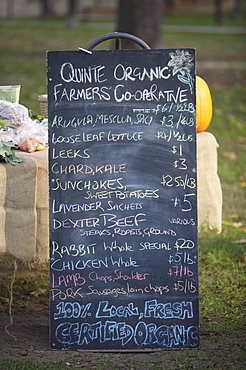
{"x":3,"y":124}
{"x":35,"y":116}
{"x":7,"y":153}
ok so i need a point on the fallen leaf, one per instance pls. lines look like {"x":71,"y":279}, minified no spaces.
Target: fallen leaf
{"x":230,"y":223}
{"x":86,"y":359}
{"x":4,"y":300}
{"x":241,"y":241}
{"x":230,"y":155}
{"x":38,"y":292}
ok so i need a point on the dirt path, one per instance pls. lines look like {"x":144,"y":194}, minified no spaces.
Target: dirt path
{"x":28,"y":340}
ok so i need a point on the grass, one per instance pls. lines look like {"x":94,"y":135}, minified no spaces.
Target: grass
{"x":224,"y":47}
{"x":23,"y":45}
{"x":229,"y":127}
{"x":202,"y":19}
{"x":222,"y":281}
{"x":25,"y":62}
{"x":33,"y":365}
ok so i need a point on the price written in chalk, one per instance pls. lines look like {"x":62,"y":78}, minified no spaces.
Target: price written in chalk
{"x":179,"y":181}
{"x":123,"y":217}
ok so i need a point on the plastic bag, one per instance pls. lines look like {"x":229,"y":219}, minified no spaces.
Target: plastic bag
{"x":13,"y":112}
{"x":29,"y":135}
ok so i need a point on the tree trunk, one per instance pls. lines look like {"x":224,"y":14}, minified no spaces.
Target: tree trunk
{"x":73,"y":19}
{"x":237,"y":10}
{"x":10,"y":8}
{"x":218,"y":11}
{"x":141,"y":18}
{"x":169,"y":4}
{"x":46,"y":9}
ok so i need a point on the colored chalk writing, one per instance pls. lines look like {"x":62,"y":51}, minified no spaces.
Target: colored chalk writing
{"x":123,"y":200}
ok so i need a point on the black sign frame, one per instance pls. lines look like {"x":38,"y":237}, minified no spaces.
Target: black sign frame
{"x":123,"y":200}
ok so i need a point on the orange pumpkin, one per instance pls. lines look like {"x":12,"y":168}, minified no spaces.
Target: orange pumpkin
{"x":204,"y":105}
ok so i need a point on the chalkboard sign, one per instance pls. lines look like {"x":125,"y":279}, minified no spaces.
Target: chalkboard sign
{"x":123,"y":213}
